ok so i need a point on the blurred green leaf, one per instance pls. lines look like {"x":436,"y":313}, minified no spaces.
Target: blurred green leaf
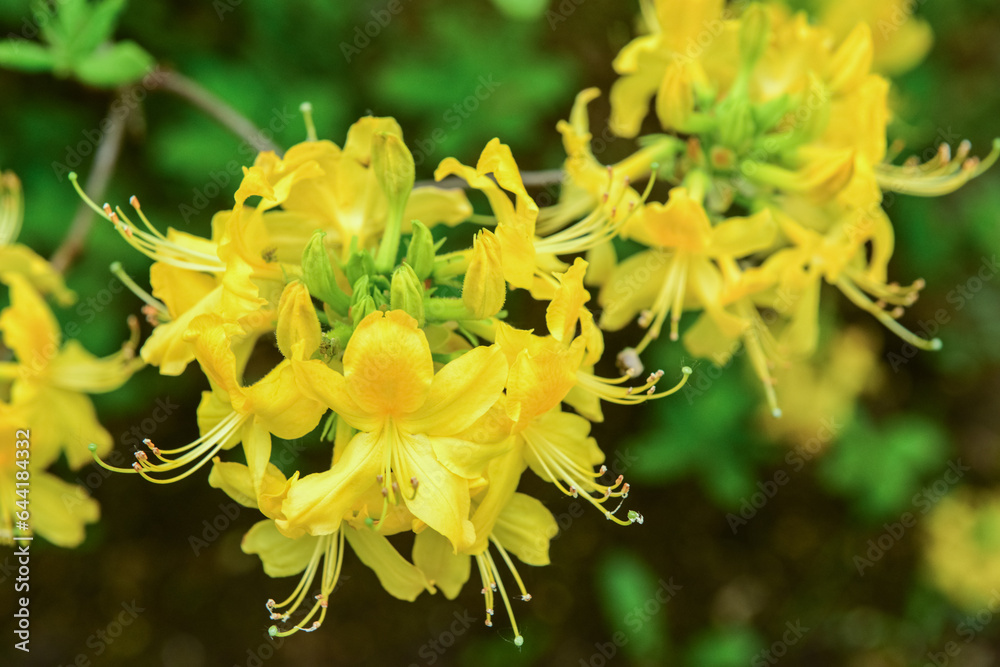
{"x":632,"y":598}
{"x":880,"y":469}
{"x":724,"y":647}
{"x":522,"y":9}
{"x":97,"y":27}
{"x":115,"y":65}
{"x":20,"y":54}
{"x":698,"y":438}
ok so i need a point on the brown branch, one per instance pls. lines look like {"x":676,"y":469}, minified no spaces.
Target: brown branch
{"x":105,"y":158}
{"x":204,"y":99}
{"x":532,"y":179}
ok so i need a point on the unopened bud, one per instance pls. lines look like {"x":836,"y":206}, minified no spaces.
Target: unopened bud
{"x":420,"y":254}
{"x":407,"y":293}
{"x":755,"y":33}
{"x":360,"y":263}
{"x":362,"y":309}
{"x":319,"y":277}
{"x":484,"y":290}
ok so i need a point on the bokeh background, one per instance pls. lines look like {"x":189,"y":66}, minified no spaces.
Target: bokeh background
{"x":836,"y":537}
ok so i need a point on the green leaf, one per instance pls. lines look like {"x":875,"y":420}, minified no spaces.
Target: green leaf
{"x":525,"y":10}
{"x":20,"y":54}
{"x":116,"y":65}
{"x":634,"y":600}
{"x":725,"y":647}
{"x":97,"y":28}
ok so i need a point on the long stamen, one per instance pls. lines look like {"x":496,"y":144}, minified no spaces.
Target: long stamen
{"x":198,"y":453}
{"x":158,"y":309}
{"x":330,"y":550}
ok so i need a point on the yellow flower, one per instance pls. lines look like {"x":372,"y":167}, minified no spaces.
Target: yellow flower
{"x":234,"y":413}
{"x":49,"y":372}
{"x":283,"y":556}
{"x":963,"y":549}
{"x":410,"y":422}
{"x":523,"y":527}
{"x":57,"y":511}
{"x":681,"y":271}
{"x":17,"y":258}
{"x":901,"y":40}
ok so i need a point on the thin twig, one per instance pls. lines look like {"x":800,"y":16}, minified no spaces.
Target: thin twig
{"x":215,"y":107}
{"x":105,"y":158}
{"x":531,"y":179}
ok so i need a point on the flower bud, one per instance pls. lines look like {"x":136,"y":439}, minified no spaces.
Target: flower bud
{"x":298,"y":330}
{"x":407,"y":293}
{"x":755,"y":33}
{"x":392,"y":163}
{"x":484,"y":289}
{"x":736,"y":126}
{"x":360,"y":263}
{"x":362,"y":309}
{"x":675,"y":99}
{"x":420,"y":254}
{"x":318,"y":275}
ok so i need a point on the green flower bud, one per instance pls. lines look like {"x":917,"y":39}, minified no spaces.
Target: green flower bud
{"x":392,"y":163}
{"x":407,"y":293}
{"x":362,"y":309}
{"x":755,"y":33}
{"x":360,"y":263}
{"x":736,"y":125}
{"x":319,"y":277}
{"x":420,"y":254}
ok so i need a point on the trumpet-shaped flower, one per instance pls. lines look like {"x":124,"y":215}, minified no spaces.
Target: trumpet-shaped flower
{"x":410,"y":422}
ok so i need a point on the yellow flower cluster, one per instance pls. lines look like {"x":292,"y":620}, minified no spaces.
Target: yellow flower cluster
{"x":771,"y":133}
{"x":432,"y":405}
{"x":39,"y":370}
{"x":400,"y":358}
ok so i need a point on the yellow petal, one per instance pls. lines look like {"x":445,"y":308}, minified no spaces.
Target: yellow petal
{"x":484,"y":288}
{"x":59,"y":511}
{"x":281,"y":556}
{"x":433,"y":206}
{"x":633,"y":287}
{"x":317,"y":503}
{"x":398,"y":577}
{"x":29,"y":328}
{"x":525,"y":528}
{"x":504,"y":474}
{"x":448,"y":571}
{"x":442,"y":497}
{"x":281,"y":406}
{"x":298,"y":324}
{"x":739,"y":237}
{"x":20,"y":259}
{"x":321,"y":383}
{"x":166,"y":346}
{"x":387,"y":364}
{"x":461,"y":392}
{"x":564,"y":311}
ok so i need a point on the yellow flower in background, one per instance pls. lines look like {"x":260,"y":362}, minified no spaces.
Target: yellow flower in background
{"x":57,"y":510}
{"x":409,"y":420}
{"x":342,"y":195}
{"x":48,"y":371}
{"x":963,"y":547}
{"x":901,"y":40}
{"x":20,"y":259}
{"x":232,"y":413}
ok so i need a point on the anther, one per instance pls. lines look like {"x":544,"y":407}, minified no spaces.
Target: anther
{"x":526,"y":597}
{"x":136,"y":466}
{"x":141,"y":456}
{"x":414,"y":482}
{"x":379,"y":478}
{"x":134,"y":201}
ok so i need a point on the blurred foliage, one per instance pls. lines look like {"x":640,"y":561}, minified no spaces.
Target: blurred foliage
{"x":455,"y":76}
